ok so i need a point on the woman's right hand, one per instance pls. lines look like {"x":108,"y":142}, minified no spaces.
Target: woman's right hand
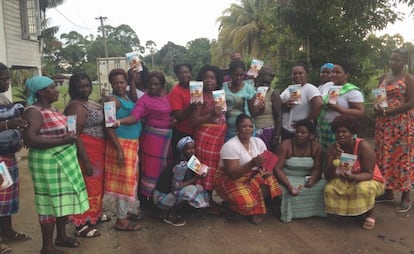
{"x":257,"y":161}
{"x":88,"y":168}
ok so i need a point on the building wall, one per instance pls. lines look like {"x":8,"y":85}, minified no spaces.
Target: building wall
{"x":17,"y":52}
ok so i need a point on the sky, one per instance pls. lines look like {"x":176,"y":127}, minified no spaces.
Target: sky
{"x":178,"y":21}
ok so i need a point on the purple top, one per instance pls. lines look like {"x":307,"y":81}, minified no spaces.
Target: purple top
{"x":155,"y":110}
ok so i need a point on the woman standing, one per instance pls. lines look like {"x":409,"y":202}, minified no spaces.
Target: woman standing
{"x":11,"y":123}
{"x":239,"y":96}
{"x":57,"y":178}
{"x":349,"y":102}
{"x":179,"y":98}
{"x":307,"y":107}
{"x":121,"y":156}
{"x":299,"y":171}
{"x":325,"y":73}
{"x":394,"y":131}
{"x":240,"y":179}
{"x":154,"y":108}
{"x":268,"y":119}
{"x":352,"y":192}
{"x":91,"y":151}
{"x":210,"y":123}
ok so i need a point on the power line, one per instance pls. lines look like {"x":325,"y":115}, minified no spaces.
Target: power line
{"x":88,"y":28}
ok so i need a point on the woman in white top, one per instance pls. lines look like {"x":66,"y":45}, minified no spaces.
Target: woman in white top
{"x":240,"y":177}
{"x":307,"y":106}
{"x":349,"y":101}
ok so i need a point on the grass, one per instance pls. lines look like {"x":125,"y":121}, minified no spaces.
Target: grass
{"x":63,"y":96}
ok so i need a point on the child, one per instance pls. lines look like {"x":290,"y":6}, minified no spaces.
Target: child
{"x":178,"y":186}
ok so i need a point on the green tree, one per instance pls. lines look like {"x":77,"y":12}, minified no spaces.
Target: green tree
{"x":198,"y":51}
{"x":169,"y":55}
{"x":329,"y":32}
{"x":241,"y":29}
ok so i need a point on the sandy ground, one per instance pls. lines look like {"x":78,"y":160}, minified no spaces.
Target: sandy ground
{"x":394,"y":233}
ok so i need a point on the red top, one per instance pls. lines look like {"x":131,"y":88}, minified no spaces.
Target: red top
{"x":179,"y":98}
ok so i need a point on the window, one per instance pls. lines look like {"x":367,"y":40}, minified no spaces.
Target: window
{"x":30,"y":14}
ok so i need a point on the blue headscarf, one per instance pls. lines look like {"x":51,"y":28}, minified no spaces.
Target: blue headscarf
{"x":34,"y":84}
{"x":329,"y":66}
{"x":184,"y":141}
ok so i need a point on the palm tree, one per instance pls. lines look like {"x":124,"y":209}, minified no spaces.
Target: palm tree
{"x":241,"y":27}
{"x":48,"y":4}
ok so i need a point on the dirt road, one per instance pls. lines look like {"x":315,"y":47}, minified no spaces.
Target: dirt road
{"x":394,"y":233}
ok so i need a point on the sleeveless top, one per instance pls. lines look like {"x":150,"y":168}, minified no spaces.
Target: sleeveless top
{"x":377,"y":176}
{"x":132,"y":131}
{"x":299,"y":166}
{"x":95,"y":121}
{"x":54,"y":123}
{"x":265,"y":120}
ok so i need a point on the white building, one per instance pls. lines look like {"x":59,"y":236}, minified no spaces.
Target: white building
{"x":20,"y":40}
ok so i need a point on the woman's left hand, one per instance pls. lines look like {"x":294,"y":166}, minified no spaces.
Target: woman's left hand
{"x":17,"y":123}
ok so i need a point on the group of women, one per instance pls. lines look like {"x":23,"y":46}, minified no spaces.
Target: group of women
{"x":142,"y":160}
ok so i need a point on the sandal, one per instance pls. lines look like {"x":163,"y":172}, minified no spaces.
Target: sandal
{"x":175,"y":220}
{"x":4,"y":249}
{"x":369,"y":223}
{"x":132,"y":226}
{"x":18,"y":236}
{"x":104,"y":218}
{"x":87,"y":232}
{"x":404,"y":207}
{"x":68,"y":242}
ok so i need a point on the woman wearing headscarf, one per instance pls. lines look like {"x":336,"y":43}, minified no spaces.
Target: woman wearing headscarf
{"x":11,"y":125}
{"x":325,"y":73}
{"x":178,"y":186}
{"x":57,"y":178}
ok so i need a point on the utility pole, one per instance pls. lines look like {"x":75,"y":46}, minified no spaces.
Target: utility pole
{"x":103,"y":33}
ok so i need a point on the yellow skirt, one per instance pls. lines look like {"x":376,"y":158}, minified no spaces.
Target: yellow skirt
{"x":351,"y":198}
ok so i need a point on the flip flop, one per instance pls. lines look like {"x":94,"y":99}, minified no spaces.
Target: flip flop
{"x":69,"y":243}
{"x":104,"y":218}
{"x":18,"y":236}
{"x":4,"y":249}
{"x":404,"y":208}
{"x":87,"y":232}
{"x":132,"y":226}
{"x":174,"y":220}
